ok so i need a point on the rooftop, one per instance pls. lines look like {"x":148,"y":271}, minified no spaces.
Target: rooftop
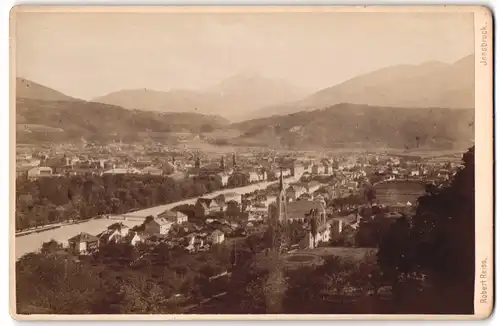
{"x":300,"y":209}
{"x":83,"y":237}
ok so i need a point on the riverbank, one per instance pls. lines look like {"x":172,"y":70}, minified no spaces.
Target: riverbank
{"x":154,"y":211}
{"x":51,"y":227}
{"x":40,"y":229}
{"x":33,"y":241}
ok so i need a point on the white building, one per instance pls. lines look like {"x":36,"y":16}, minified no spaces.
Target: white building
{"x":83,"y":243}
{"x":136,"y":239}
{"x":253,"y":176}
{"x":175,"y":217}
{"x":217,"y":237}
{"x":122,"y":171}
{"x":224,"y":178}
{"x":39,"y":172}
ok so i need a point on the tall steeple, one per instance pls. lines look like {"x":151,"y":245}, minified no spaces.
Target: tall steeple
{"x":281,"y":201}
{"x":234,"y":159}
{"x":281,"y":179}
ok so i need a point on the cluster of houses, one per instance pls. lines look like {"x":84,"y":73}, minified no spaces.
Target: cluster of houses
{"x":231,"y":213}
{"x":178,"y":168}
{"x":157,"y":230}
{"x":214,"y":220}
{"x":66,"y":166}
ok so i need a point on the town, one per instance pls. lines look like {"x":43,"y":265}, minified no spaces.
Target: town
{"x":246,"y":162}
{"x":149,"y":202}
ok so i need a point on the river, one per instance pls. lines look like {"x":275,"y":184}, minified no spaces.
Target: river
{"x":32,"y":242}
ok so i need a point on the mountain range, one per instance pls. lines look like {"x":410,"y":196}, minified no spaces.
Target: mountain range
{"x":44,"y":114}
{"x":30,"y":90}
{"x":428,"y":85}
{"x":248,"y":96}
{"x":232,"y":98}
{"x":363,"y":126}
{"x":390,"y":107}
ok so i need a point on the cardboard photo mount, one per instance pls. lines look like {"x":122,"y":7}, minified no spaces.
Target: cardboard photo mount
{"x":484,"y":213}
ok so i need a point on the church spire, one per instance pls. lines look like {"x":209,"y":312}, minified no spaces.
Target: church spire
{"x":281,"y":201}
{"x":281,"y":179}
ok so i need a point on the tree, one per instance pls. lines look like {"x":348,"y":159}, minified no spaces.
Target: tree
{"x":440,"y":242}
{"x":142,"y":295}
{"x":370,"y":194}
{"x":55,"y":284}
{"x":114,"y":254}
{"x":371,"y":231}
{"x":148,"y":219}
{"x":313,"y":220}
{"x":50,"y":200}
{"x":206,"y":128}
{"x":394,"y":250}
{"x":51,"y":247}
{"x":233,"y":209}
{"x":297,"y":232}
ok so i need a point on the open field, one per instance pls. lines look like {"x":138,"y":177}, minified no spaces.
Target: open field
{"x":399,"y":192}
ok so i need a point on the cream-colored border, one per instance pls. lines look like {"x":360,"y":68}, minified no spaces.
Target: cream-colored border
{"x":483,"y":152}
{"x":483,"y":122}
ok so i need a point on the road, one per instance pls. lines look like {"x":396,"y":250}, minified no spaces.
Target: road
{"x":32,"y":242}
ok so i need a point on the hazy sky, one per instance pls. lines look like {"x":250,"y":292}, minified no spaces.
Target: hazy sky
{"x":91,"y":54}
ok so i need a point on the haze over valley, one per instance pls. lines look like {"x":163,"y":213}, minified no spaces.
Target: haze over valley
{"x":395,"y":115}
{"x":250,"y":79}
{"x":233,"y":98}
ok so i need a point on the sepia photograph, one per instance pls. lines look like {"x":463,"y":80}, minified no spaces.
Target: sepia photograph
{"x":251,"y":161}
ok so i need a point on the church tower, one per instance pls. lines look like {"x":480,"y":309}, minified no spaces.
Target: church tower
{"x":281,"y":202}
{"x":234,"y":160}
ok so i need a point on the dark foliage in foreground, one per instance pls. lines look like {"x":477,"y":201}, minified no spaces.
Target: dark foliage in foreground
{"x":438,"y":242}
{"x":119,"y":279}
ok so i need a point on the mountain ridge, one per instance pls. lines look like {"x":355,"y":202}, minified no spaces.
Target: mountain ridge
{"x":26,"y":88}
{"x":347,"y":124}
{"x":429,"y":84}
{"x":232,"y":97}
{"x":45,"y":114}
